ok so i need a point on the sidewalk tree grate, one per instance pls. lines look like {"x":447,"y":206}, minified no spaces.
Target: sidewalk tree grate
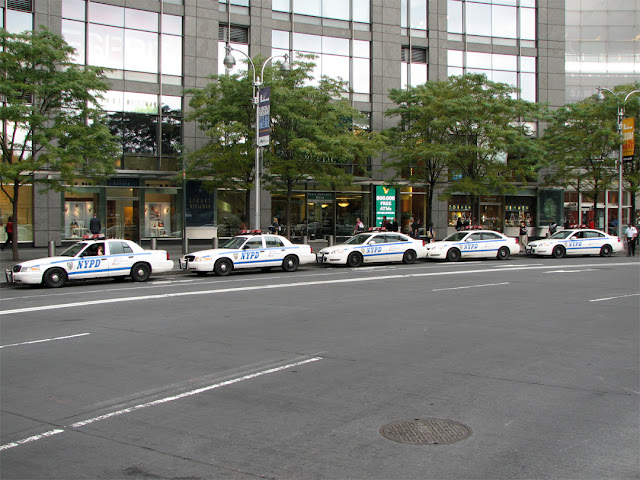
{"x":425,"y":431}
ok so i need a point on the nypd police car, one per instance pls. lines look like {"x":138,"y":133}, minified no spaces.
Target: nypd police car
{"x":373,"y":247}
{"x":576,"y":241}
{"x":473,"y":244}
{"x":250,"y":250}
{"x":94,"y":257}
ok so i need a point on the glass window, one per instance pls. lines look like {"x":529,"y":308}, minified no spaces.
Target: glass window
{"x":141,"y":51}
{"x":335,"y":66}
{"x":361,"y":75}
{"x":280,"y":39}
{"x":419,"y":14}
{"x":478,"y":19}
{"x":74,"y":34}
{"x":172,"y":105}
{"x":74,"y":9}
{"x":478,"y":60}
{"x":140,"y":102}
{"x":528,"y":87}
{"x":307,"y":43}
{"x":308,"y":7}
{"x":504,"y":62}
{"x":171,"y":55}
{"x":253,"y":243}
{"x":18,"y":22}
{"x":504,"y":22}
{"x":361,"y":49}
{"x":338,"y":9}
{"x":280,"y":5}
{"x":335,"y":46}
{"x":106,"y":46}
{"x":274,"y":242}
{"x":140,"y":20}
{"x":361,"y":11}
{"x":455,"y":58}
{"x":106,"y":14}
{"x":527,"y":23}
{"x":171,"y":24}
{"x":454,"y":16}
{"x":418,"y":73}
{"x":528,"y":64}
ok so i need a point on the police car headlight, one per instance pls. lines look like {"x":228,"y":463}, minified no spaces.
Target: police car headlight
{"x":339,"y":250}
{"x":202,"y":259}
{"x":31,"y":269}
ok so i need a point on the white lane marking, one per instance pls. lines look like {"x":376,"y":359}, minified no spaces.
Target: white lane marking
{"x":159,"y":402}
{"x":34,"y":438}
{"x":528,"y":264}
{"x":613,"y":298}
{"x":45,"y":340}
{"x":573,"y":271}
{"x":276,"y":286}
{"x":470,"y":286}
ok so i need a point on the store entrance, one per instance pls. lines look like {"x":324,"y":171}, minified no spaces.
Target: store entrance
{"x":123,"y":218}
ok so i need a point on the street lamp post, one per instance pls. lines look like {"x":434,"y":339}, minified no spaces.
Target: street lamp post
{"x":229,"y":62}
{"x":621,"y":112}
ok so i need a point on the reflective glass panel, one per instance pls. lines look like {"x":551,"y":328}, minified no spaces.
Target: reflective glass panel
{"x":171,"y":55}
{"x":73,"y":33}
{"x":73,"y":9}
{"x":361,"y":82}
{"x":106,"y":46}
{"x":504,"y":22}
{"x":478,"y":19}
{"x":361,"y":11}
{"x":404,"y":13}
{"x":280,"y":39}
{"x":106,"y":14}
{"x":307,"y":43}
{"x":528,"y":86}
{"x":419,"y":14}
{"x":335,"y":46}
{"x":478,"y":60}
{"x":418,"y":74}
{"x":141,"y":51}
{"x":528,"y":23}
{"x":454,"y":16}
{"x":172,"y":24}
{"x":361,"y":49}
{"x":510,"y":78}
{"x":18,"y":22}
{"x":334,"y":66}
{"x":505,"y":62}
{"x":308,"y":7}
{"x":280,"y":5}
{"x":140,"y":102}
{"x":140,"y":20}
{"x":454,"y":58}
{"x":338,"y":9}
{"x":172,"y":105}
{"x":528,"y":64}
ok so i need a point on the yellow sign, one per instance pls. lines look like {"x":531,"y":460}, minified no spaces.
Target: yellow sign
{"x":628,"y":137}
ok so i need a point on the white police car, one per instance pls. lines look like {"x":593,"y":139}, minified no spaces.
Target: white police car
{"x":95,"y":257}
{"x":373,"y":247}
{"x":576,"y":241}
{"x":473,"y":244}
{"x":251,"y":250}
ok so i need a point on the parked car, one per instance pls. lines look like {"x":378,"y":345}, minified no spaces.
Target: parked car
{"x":473,"y":244}
{"x":373,"y":247}
{"x":94,"y":257}
{"x":252,"y":250}
{"x":576,"y":241}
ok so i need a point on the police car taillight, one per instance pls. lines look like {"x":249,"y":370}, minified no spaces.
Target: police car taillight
{"x":168,"y":256}
{"x":423,"y":243}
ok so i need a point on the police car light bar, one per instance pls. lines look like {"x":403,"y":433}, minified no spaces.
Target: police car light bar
{"x":377,"y":229}
{"x":250,"y":232}
{"x":95,"y":236}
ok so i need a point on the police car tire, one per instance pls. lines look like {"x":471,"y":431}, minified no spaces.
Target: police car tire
{"x":453,"y":255}
{"x":409,"y":257}
{"x":503,"y":253}
{"x":354,"y":259}
{"x":223,"y":267}
{"x":290,"y":263}
{"x":140,"y":272}
{"x":558,"y":251}
{"x":54,"y":277}
{"x":606,"y":251}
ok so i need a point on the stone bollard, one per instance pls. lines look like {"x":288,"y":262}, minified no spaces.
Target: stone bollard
{"x":331,"y":240}
{"x":305,"y":240}
{"x":52,"y":248}
{"x":215,"y":242}
{"x":154,"y":244}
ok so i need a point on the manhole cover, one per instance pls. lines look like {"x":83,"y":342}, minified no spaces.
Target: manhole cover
{"x":426,"y":431}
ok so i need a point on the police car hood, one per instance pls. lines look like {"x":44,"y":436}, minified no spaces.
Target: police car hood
{"x":213,"y":252}
{"x":45,"y":261}
{"x":342,"y":246}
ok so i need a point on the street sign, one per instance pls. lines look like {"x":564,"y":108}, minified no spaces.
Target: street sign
{"x":264,"y":116}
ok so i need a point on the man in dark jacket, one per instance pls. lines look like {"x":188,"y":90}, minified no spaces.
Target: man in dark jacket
{"x":94,"y":224}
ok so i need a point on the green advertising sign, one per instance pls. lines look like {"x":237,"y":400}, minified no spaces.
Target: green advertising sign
{"x":385,"y":203}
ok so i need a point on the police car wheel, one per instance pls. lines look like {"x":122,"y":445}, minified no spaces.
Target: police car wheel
{"x":223,"y":267}
{"x":140,"y":272}
{"x":290,"y":263}
{"x":503,"y":253}
{"x":558,"y":251}
{"x":453,"y":255}
{"x":354,"y":259}
{"x":409,"y":257}
{"x":54,"y":277}
{"x":606,"y":251}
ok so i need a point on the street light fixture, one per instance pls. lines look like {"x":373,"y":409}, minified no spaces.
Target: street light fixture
{"x":230,"y":62}
{"x":621,"y":111}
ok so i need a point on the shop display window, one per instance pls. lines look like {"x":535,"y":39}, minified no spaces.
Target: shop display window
{"x":25,"y":212}
{"x":159,"y":211}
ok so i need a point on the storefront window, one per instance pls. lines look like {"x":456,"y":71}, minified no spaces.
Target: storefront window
{"x":79,"y":208}
{"x":459,"y":208}
{"x":519,"y":209}
{"x":230,"y":214}
{"x":413,"y":204}
{"x":25,"y":213}
{"x":160,"y":215}
{"x":491,"y":213}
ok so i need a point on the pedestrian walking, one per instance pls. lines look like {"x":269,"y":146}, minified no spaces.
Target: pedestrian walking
{"x":553,"y":227}
{"x":632,"y":236}
{"x":8,"y":229}
{"x":524,"y":235}
{"x":359,"y":226}
{"x":94,"y":224}
{"x":415,"y":228}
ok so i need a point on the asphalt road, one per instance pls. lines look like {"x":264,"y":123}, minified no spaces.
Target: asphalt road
{"x":293,"y":376}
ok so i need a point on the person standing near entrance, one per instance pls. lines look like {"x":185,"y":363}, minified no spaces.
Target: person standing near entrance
{"x":94,"y":224}
{"x":524,"y":235}
{"x":8,"y":228}
{"x":632,"y":236}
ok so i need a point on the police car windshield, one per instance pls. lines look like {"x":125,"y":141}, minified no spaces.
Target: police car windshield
{"x":358,"y":239}
{"x":562,"y":234}
{"x":456,"y":237}
{"x":73,"y":250}
{"x":235,"y":242}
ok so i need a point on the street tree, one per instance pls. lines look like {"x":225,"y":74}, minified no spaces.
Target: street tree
{"x":582,"y":144}
{"x":51,"y":120}
{"x":469,"y":132}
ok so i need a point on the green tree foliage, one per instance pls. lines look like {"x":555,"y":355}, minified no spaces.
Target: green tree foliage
{"x":469,"y":128}
{"x":582,"y":143}
{"x":50,"y":116}
{"x":312,"y":131}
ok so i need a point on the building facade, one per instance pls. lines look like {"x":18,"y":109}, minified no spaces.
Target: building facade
{"x":157,"y":49}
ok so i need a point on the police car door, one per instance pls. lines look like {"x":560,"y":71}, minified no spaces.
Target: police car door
{"x":375,"y":250}
{"x":593,"y":242}
{"x":576,"y":243}
{"x":90,"y":264}
{"x":396,"y":247}
{"x":121,"y":258}
{"x":491,"y":243}
{"x":472,"y":246}
{"x":275,"y":251}
{"x":253,"y":254}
